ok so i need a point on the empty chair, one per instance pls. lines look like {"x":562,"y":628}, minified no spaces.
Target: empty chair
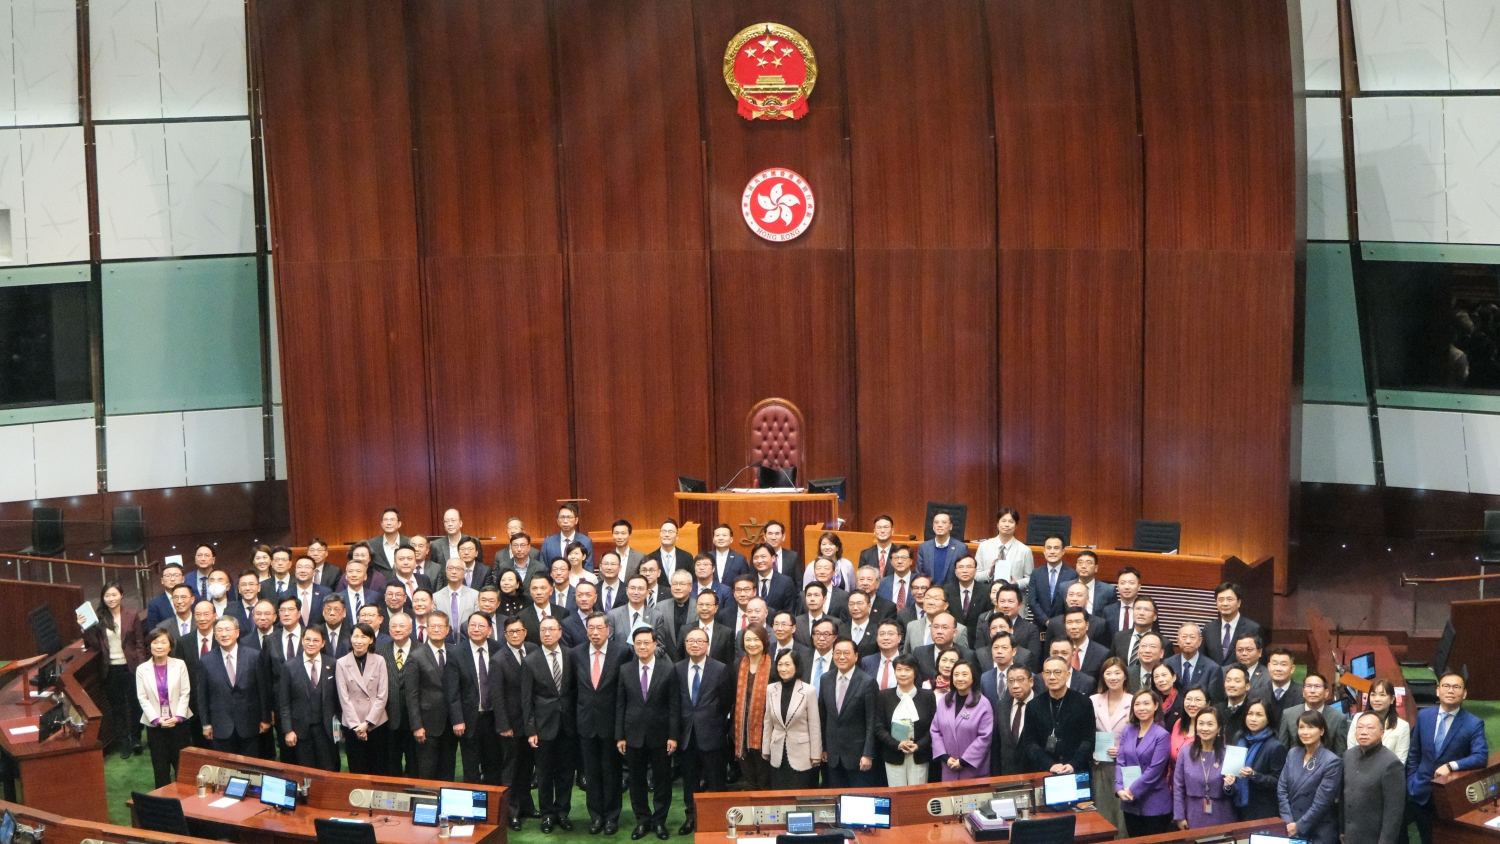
{"x":127,"y":533}
{"x":159,"y":814}
{"x":332,"y":831}
{"x":958,"y":513}
{"x":46,"y":533}
{"x":1039,"y":526}
{"x":1158,"y":537}
{"x":1490,"y":545}
{"x":1054,"y":830}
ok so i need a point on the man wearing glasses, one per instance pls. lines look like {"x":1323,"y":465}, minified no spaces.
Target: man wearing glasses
{"x":1446,"y":739}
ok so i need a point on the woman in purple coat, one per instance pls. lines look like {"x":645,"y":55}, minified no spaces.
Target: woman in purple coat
{"x":961,"y":728}
{"x":1145,"y":744}
{"x":1202,"y":795}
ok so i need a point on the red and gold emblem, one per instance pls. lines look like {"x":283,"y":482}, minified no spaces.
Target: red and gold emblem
{"x":771,"y":70}
{"x":777,"y":204}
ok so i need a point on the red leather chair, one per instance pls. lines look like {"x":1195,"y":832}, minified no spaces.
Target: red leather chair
{"x":774,"y":436}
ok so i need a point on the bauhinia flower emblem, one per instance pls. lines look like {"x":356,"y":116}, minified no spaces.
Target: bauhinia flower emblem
{"x":777,"y":204}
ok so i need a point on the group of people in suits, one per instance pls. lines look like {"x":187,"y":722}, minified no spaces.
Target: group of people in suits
{"x":623,"y":671}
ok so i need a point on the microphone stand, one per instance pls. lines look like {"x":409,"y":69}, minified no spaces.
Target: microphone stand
{"x":730,"y":482}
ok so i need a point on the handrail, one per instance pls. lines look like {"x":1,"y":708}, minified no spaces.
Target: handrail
{"x":1465,"y":578}
{"x":136,"y":570}
{"x":96,"y":564}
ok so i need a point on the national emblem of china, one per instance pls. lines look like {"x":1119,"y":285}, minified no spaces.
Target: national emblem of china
{"x":771,"y":70}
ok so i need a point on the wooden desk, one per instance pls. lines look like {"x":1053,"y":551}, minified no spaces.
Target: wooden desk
{"x":748,"y":513}
{"x":327,"y":798}
{"x":910,"y":820}
{"x":63,"y":830}
{"x":1476,"y":640}
{"x":20,"y":597}
{"x":1322,"y":644}
{"x":1227,"y":832}
{"x":65,"y":773}
{"x":1459,"y":821}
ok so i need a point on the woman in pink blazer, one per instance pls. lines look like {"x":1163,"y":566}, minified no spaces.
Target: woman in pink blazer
{"x":363,"y":692}
{"x":792,"y":737}
{"x":162,"y":687}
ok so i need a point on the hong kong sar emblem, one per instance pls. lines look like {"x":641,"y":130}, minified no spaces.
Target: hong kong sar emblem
{"x":770,"y":69}
{"x":777,"y":204}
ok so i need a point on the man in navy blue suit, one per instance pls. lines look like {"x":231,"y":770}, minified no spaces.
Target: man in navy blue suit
{"x":728,"y":563}
{"x":705,"y":698}
{"x":936,"y":556}
{"x":776,"y":589}
{"x":557,"y":544}
{"x":205,"y":560}
{"x":235,"y":695}
{"x":1445,"y":740}
{"x":160,"y":608}
{"x":1049,"y":583}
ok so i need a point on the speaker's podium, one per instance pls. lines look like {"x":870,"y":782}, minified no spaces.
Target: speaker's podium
{"x":748,"y":512}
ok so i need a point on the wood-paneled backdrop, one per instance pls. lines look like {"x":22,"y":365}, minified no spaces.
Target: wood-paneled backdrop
{"x":1055,"y":262}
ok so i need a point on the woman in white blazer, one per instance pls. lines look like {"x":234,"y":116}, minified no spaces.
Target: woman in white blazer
{"x":791,"y":738}
{"x":363,"y":691}
{"x":162,"y":686}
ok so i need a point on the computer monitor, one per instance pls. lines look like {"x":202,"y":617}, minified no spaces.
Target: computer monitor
{"x":1262,"y":838}
{"x":687,"y":484}
{"x":800,"y":823}
{"x":1066,"y":790}
{"x":277,"y":792}
{"x":237,"y":787}
{"x":52,"y":720}
{"x":1058,"y":829}
{"x":1363,"y":666}
{"x":7,"y":827}
{"x":859,"y":810}
{"x":424,"y":813}
{"x":463,"y":804}
{"x":44,"y":630}
{"x":838,"y":486}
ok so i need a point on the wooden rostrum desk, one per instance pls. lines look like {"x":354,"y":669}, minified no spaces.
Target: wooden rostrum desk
{"x":328,"y":797}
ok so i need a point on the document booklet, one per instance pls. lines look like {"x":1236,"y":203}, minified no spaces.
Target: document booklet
{"x":1234,"y":760}
{"x":1129,"y":774}
{"x":901,"y":730}
{"x":86,"y":616}
{"x":1102,"y":743}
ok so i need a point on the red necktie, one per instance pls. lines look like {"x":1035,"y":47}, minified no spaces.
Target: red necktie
{"x":595,"y":672}
{"x":882,"y":559}
{"x":204,"y":650}
{"x":1077,"y":661}
{"x":885,"y":674}
{"x":901,"y":595}
{"x":422,"y":633}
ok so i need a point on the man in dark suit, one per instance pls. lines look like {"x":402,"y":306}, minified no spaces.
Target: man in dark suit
{"x":862,"y":627}
{"x":705,"y":579}
{"x":1117,"y":614}
{"x":1062,"y":714}
{"x":1193,"y":667}
{"x":516,"y":757}
{"x":1010,"y":724}
{"x":205,"y":561}
{"x":596,"y":680}
{"x":445,"y":547}
{"x":324,"y":572}
{"x":814,"y":598}
{"x":192,"y":649}
{"x":541,"y":607}
{"x":574,"y":629}
{"x":720,"y":638}
{"x":705,"y":697}
{"x":785,"y":561}
{"x":1025,"y":631}
{"x":477,"y":692}
{"x":1084,"y":684}
{"x":1284,"y":692}
{"x":309,"y":592}
{"x":846,"y":709}
{"x":236,"y":696}
{"x":936,"y":557}
{"x":1048,"y":588}
{"x":996,"y":661}
{"x":160,"y":608}
{"x":776,"y":589}
{"x":1143,"y":613}
{"x":520,"y":558}
{"x":1446,"y":739}
{"x":475,"y":572}
{"x":1094,"y":628}
{"x":648,"y":720}
{"x":867,"y":581}
{"x":967,"y":598}
{"x":1089,"y":655}
{"x":942,"y":627}
{"x":556,"y":545}
{"x":246,"y":596}
{"x":280,"y":581}
{"x":1230,"y":627}
{"x":400,"y":653}
{"x":383,"y":547}
{"x":879,"y":554}
{"x":728,"y":563}
{"x":896,"y":586}
{"x":356,"y":592}
{"x":336,"y":623}
{"x":549,"y":724}
{"x":669,"y":556}
{"x":1100,"y":595}
{"x":307,"y":702}
{"x":434,"y":745}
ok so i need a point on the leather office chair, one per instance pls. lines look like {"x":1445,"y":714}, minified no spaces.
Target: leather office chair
{"x":160,"y":814}
{"x":1054,"y":830}
{"x":47,"y":537}
{"x":332,"y":831}
{"x":127,"y":538}
{"x":957,"y":513}
{"x":1159,"y":537}
{"x":773,"y":435}
{"x":1039,"y":526}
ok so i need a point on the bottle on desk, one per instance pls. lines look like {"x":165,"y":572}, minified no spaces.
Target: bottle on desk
{"x":202,"y":785}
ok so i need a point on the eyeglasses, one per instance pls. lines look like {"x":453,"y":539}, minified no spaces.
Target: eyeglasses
{"x":1451,"y":687}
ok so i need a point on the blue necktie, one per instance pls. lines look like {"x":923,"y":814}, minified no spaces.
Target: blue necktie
{"x":1051,"y":582}
{"x":1187,"y":674}
{"x":695,"y":685}
{"x":817,"y":673}
{"x":1445,"y":720}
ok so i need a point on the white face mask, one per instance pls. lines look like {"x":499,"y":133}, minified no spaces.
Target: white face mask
{"x":217,"y":591}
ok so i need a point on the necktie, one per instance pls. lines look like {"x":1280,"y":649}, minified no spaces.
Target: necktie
{"x":1135,"y":640}
{"x":422,"y":633}
{"x":442,"y":659}
{"x":651,"y":598}
{"x":645,"y":682}
{"x":229,"y":667}
{"x":468,"y":577}
{"x":484,"y":677}
{"x":696,"y":671}
{"x":354,"y":593}
{"x":400,"y":658}
{"x":765,"y":583}
{"x":882,"y":559}
{"x":817,"y":672}
{"x":1016,"y":708}
{"x":966,"y":602}
{"x":635,"y":620}
{"x":1051,"y":582}
{"x":556,"y":672}
{"x":744,"y":621}
{"x":1445,"y":720}
{"x":333,"y":642}
{"x":1077,"y":661}
{"x":901,"y":594}
{"x":203,"y":651}
{"x":1227,"y":646}
{"x":1129,"y":621}
{"x":291,"y":649}
{"x":306,"y":607}
{"x":312,"y":672}
{"x":594,"y":674}
{"x":843,"y":686}
{"x":453,"y":606}
{"x":609,"y":598}
{"x":1187,"y":674}
{"x":1278,"y":694}
{"x":885,"y":673}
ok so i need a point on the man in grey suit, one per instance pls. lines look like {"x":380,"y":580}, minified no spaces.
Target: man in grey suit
{"x":624,"y":619}
{"x":846,"y":708}
{"x":456,"y":599}
{"x":934,"y":602}
{"x":520,"y":558}
{"x":1314,"y":689}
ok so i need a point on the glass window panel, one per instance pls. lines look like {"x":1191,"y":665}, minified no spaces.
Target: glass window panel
{"x":1327,"y":207}
{"x":124,"y":60}
{"x":1336,"y":444}
{"x":38,"y":62}
{"x":145,"y":451}
{"x":1320,"y":45}
{"x":1333,"y":365}
{"x":43,"y":185}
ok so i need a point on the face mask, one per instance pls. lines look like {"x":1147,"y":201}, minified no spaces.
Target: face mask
{"x":217,"y":591}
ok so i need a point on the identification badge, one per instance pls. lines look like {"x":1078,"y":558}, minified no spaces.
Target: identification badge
{"x":1052,"y":743}
{"x":1208,"y":806}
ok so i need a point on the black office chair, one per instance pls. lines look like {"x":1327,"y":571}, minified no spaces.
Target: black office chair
{"x":1157,"y":537}
{"x":331,"y":831}
{"x":1424,"y":692}
{"x":1054,"y":830}
{"x":1489,"y":550}
{"x":159,"y":814}
{"x":959,"y":513}
{"x":47,"y":537}
{"x":1039,"y":526}
{"x":127,"y":538}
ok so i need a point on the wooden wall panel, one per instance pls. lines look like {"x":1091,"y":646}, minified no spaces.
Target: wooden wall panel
{"x":484,"y":104}
{"x":922,"y":170}
{"x":338,"y":140}
{"x":638,"y":285}
{"x":782,"y":316}
{"x":1222,"y":236}
{"x":1070,"y":188}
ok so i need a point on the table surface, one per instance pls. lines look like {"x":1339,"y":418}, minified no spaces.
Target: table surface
{"x":395,"y":828}
{"x":1091,"y":827}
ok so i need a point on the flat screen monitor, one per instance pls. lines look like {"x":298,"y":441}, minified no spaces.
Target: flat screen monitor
{"x":7,"y":827}
{"x":864,"y":811}
{"x":687,"y":484}
{"x":462,"y":804}
{"x":799,"y":823}
{"x":275,"y":791}
{"x":1066,"y":789}
{"x":1363,"y":666}
{"x":837,"y":486}
{"x":237,"y":787}
{"x":1261,"y":838}
{"x":52,"y":720}
{"x":424,"y":813}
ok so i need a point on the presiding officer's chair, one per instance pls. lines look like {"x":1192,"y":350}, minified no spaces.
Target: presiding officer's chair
{"x":774,"y":438}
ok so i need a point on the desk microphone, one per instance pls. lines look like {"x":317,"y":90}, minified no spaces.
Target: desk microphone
{"x":736,"y":477}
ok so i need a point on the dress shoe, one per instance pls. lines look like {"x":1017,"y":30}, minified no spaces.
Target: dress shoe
{"x":689,"y":826}
{"x":661,"y":832}
{"x":611,"y":827}
{"x":547,"y":826}
{"x":596,"y":827}
{"x":126,"y":751}
{"x":515,"y":824}
{"x":564,"y":824}
{"x":638,"y":833}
